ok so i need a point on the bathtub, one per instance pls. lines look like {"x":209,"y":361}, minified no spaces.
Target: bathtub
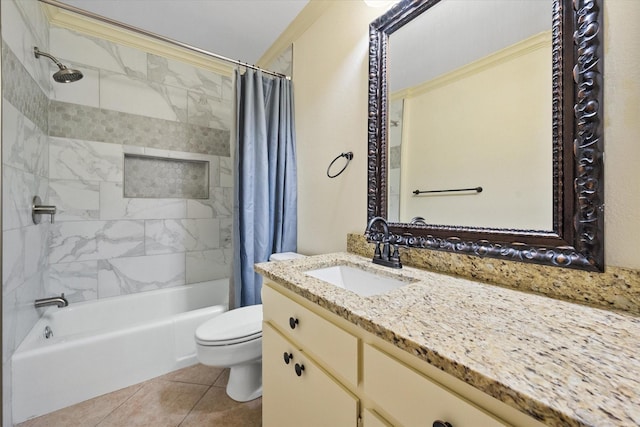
{"x":101,"y":346}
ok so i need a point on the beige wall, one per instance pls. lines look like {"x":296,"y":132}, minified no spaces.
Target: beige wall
{"x":622,"y":132}
{"x":330,"y":83}
{"x":330,"y":78}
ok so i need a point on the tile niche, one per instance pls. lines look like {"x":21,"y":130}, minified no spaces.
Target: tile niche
{"x":159,"y":177}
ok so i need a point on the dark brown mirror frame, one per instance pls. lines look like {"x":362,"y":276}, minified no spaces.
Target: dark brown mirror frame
{"x":577,"y":238}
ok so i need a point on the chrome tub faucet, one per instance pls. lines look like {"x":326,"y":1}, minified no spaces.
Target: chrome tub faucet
{"x":383,"y":256}
{"x":60,"y":301}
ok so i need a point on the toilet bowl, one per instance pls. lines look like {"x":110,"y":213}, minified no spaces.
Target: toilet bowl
{"x":234,"y":340}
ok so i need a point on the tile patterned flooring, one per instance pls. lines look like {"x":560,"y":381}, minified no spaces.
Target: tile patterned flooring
{"x":193,"y":396}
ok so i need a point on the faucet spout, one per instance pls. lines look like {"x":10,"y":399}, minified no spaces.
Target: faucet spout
{"x":383,"y":256}
{"x":60,"y":301}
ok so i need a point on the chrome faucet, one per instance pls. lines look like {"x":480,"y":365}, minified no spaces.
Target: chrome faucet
{"x":60,"y":301}
{"x":383,"y":256}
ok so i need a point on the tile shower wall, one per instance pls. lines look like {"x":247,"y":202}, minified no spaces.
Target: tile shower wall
{"x":104,"y":244}
{"x":25,"y":91}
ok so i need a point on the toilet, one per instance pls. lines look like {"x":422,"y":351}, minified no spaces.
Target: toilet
{"x":234,"y":340}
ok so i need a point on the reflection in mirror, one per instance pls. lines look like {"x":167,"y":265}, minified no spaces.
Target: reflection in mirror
{"x":499,"y":94}
{"x":479,"y":93}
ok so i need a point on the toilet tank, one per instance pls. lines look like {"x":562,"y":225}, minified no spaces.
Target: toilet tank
{"x":285,"y":255}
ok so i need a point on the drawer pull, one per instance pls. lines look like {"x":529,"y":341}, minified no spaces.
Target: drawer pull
{"x":441,"y":424}
{"x":293,"y":322}
{"x":288,"y":357}
{"x":299,"y":369}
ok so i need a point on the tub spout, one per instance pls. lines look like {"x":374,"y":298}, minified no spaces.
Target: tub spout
{"x":60,"y":301}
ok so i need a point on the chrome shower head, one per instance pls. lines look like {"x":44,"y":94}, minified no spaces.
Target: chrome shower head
{"x":64,"y":75}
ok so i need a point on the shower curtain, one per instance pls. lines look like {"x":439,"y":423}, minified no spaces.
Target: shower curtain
{"x":265,"y":181}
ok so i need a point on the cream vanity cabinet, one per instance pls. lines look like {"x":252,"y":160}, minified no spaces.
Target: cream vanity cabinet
{"x":297,"y":348}
{"x":321,"y":370}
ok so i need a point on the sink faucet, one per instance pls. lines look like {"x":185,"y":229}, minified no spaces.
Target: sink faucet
{"x":60,"y":301}
{"x":383,"y":257}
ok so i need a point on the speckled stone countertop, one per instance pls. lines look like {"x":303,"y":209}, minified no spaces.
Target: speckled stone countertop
{"x":563,"y":363}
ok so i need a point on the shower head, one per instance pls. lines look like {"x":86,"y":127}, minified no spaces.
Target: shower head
{"x":64,"y":75}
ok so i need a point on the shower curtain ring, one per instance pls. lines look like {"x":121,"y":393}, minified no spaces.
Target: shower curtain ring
{"x":348,"y":155}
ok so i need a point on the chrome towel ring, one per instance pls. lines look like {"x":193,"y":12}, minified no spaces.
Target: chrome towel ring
{"x":348,"y":155}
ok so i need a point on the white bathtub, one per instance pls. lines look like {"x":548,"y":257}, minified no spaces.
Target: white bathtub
{"x":99,"y":347}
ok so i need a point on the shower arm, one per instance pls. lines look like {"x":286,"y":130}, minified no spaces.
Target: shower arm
{"x":38,"y":53}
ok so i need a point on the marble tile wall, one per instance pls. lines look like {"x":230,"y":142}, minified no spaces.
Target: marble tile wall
{"x":97,"y":124}
{"x":284,"y":62}
{"x":104,"y":244}
{"x":25,"y":97}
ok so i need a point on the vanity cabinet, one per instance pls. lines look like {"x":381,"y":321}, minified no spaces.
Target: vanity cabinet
{"x":298,"y":347}
{"x":298,"y":391}
{"x":428,"y":400}
{"x":331,"y":345}
{"x":353,"y":378}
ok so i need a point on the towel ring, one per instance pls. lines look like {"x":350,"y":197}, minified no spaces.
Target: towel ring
{"x":348,"y":156}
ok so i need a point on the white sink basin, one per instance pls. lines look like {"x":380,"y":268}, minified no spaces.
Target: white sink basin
{"x":363,"y":283}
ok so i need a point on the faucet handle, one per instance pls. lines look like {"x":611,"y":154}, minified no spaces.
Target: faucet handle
{"x":377,"y":254}
{"x":395,"y":256}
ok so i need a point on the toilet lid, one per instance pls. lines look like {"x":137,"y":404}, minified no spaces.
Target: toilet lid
{"x":234,"y":326}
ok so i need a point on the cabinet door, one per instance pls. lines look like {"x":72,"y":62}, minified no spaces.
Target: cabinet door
{"x":413,"y":399}
{"x":309,"y":397}
{"x":371,"y":419}
{"x":328,"y":344}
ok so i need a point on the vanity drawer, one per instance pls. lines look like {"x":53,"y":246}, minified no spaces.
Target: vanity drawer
{"x":317,"y":336}
{"x":413,"y":399}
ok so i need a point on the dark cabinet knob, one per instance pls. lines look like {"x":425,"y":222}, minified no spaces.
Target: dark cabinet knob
{"x":288,"y":357}
{"x":441,"y":424}
{"x":293,"y":322}
{"x":299,"y":369}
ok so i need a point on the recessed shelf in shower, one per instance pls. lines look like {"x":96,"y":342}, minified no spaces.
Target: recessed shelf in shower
{"x":164,"y":177}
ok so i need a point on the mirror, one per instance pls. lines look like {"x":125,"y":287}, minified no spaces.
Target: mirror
{"x":458,"y":105}
{"x":502,"y":104}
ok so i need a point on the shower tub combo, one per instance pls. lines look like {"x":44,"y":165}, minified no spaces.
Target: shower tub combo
{"x":98,"y":347}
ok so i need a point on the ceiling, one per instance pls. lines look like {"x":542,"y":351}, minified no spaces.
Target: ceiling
{"x":237,"y":29}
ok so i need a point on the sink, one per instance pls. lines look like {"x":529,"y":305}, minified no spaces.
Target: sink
{"x":363,"y":283}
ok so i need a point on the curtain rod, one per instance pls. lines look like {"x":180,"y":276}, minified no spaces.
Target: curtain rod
{"x":157,"y":36}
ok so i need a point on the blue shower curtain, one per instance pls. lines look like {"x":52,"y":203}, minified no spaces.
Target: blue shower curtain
{"x":265,"y":184}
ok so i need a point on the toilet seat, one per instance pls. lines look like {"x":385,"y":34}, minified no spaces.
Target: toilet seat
{"x":232,"y":327}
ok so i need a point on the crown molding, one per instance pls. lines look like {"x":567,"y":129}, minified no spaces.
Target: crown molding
{"x":93,"y":27}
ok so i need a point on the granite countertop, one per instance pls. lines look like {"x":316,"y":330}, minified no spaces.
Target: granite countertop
{"x":563,"y":363}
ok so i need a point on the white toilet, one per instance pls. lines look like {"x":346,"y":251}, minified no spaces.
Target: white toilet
{"x":234,"y":340}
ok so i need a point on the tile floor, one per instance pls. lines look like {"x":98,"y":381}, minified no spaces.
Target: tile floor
{"x":193,"y":396}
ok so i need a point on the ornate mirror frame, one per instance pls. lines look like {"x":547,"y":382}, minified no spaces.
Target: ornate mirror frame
{"x":577,"y":238}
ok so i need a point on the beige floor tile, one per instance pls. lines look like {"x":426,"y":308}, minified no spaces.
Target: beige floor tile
{"x":158,"y":403}
{"x":223,"y":379}
{"x":196,"y":374}
{"x":164,"y":401}
{"x":217,"y":409}
{"x":87,"y":413}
